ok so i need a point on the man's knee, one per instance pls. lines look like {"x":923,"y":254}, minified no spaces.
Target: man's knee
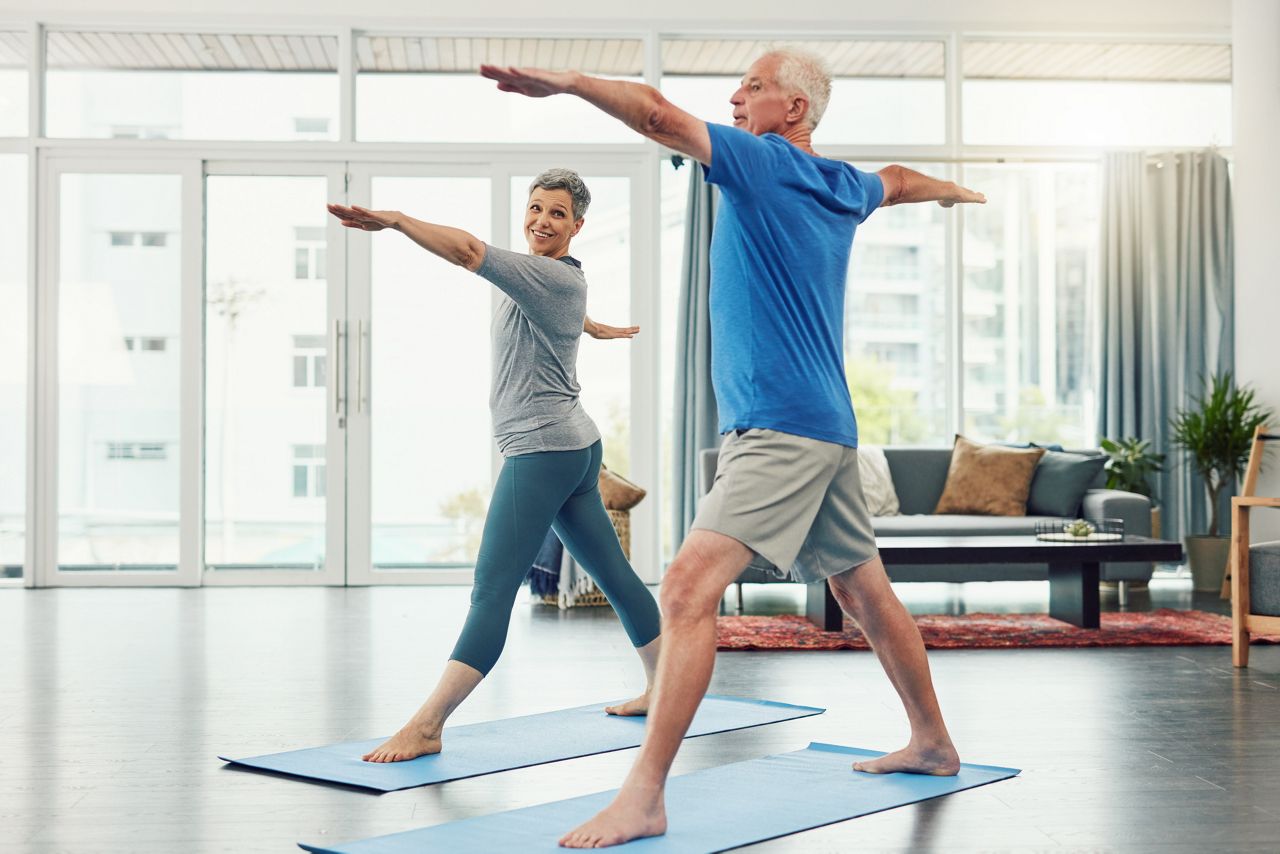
{"x":687,"y":591}
{"x":859,"y":586}
{"x":705,"y":565}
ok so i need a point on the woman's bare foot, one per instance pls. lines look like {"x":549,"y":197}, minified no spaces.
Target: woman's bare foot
{"x":409,"y":743}
{"x":625,"y":819}
{"x":939,"y":760}
{"x":632,"y":708}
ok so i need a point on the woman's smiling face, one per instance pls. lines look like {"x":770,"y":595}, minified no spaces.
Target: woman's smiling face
{"x":548,"y":222}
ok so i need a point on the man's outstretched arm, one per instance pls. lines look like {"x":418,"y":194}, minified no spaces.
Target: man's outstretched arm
{"x":903,"y":185}
{"x":640,"y":107}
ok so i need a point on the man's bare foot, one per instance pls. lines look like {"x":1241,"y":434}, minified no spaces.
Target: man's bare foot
{"x":625,"y":819}
{"x":632,"y":708}
{"x":409,"y":743}
{"x":941,"y":761}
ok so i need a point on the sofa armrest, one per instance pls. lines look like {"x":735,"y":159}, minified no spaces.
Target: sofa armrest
{"x":707,"y":459}
{"x":1133,"y":508}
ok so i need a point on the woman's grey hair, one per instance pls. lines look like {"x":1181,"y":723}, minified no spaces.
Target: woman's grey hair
{"x":565,"y":179}
{"x":808,"y":73}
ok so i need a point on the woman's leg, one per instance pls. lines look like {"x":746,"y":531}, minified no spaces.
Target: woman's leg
{"x":588,"y":534}
{"x":530,"y":489}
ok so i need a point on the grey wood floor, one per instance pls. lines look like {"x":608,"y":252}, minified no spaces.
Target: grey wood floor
{"x":113,"y":704}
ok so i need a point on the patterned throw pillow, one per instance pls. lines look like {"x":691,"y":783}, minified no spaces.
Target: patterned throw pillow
{"x":988,"y":480}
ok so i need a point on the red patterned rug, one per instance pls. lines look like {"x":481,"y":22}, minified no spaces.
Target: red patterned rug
{"x":1165,"y":627}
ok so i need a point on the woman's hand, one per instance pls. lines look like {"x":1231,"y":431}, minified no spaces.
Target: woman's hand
{"x":363,"y":219}
{"x":601,"y":332}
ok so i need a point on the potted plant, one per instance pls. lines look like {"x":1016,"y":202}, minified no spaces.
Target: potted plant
{"x":1130,"y":465}
{"x":1216,"y":432}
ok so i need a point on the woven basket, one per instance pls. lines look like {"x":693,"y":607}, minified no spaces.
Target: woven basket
{"x":621,"y":520}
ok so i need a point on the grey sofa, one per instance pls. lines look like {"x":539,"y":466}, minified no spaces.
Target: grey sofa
{"x":918,"y":477}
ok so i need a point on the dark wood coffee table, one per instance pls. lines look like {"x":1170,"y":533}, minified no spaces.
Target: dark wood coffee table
{"x":1073,"y":568}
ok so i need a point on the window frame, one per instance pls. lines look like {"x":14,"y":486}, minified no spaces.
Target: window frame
{"x":46,"y":155}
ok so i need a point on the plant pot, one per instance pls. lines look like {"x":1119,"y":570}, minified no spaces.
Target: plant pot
{"x":1207,"y":557}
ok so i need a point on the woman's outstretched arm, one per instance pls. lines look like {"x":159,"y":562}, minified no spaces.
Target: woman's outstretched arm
{"x":452,"y":244}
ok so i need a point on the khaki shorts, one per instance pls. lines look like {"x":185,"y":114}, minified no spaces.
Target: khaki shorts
{"x":796,"y":502}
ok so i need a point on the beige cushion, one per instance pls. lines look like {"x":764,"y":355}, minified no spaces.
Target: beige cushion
{"x":617,"y":492}
{"x":988,"y":480}
{"x":877,"y":482}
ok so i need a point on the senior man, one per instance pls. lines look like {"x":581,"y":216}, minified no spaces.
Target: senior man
{"x":787,"y":493}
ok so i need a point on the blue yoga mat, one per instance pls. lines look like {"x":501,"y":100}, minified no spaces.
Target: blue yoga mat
{"x":501,"y":745}
{"x":711,"y":810}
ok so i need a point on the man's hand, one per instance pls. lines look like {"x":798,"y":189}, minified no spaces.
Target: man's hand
{"x":963,"y":196}
{"x":365,"y":220}
{"x":531,"y":82}
{"x":904,"y":186}
{"x":601,"y":332}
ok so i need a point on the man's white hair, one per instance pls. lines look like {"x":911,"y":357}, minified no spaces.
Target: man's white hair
{"x":805,"y":72}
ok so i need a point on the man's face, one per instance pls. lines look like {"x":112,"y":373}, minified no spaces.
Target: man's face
{"x":760,"y":106}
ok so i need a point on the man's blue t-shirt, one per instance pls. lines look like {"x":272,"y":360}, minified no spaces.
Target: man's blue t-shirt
{"x":779,"y":260}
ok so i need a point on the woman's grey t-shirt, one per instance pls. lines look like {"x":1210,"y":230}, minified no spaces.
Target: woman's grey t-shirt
{"x":535,"y":334}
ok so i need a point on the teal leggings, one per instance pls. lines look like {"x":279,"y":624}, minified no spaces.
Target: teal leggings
{"x":555,"y":489}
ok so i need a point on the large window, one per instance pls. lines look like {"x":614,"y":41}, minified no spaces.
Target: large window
{"x":884,"y":92}
{"x":974,"y":319}
{"x":427,"y":89}
{"x":896,"y":323}
{"x":1053,"y":113}
{"x":13,"y":368}
{"x":13,"y":84}
{"x":1030,"y":271}
{"x":1096,"y":94}
{"x":191,"y":86}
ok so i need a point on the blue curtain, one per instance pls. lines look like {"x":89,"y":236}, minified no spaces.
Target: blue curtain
{"x":694,"y":415}
{"x":1167,"y":304}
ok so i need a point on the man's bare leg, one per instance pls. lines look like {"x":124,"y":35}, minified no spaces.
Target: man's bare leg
{"x":640,"y":705}
{"x":424,"y":732}
{"x":691,"y":592}
{"x":865,"y":595}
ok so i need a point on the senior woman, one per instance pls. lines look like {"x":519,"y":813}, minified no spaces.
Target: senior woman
{"x":551,"y":447}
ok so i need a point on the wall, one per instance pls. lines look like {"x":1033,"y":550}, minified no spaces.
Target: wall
{"x":1256,"y":33}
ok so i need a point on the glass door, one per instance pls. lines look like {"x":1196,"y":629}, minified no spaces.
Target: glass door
{"x":422,"y":456}
{"x":276,"y":386}
{"x":15,"y":371}
{"x":422,"y":460}
{"x":121,"y":278}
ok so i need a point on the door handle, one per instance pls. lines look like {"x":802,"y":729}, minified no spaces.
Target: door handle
{"x":363,"y":357}
{"x":340,"y":366}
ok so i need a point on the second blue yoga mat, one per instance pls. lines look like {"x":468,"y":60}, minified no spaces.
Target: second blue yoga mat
{"x":501,"y":745}
{"x":711,"y":810}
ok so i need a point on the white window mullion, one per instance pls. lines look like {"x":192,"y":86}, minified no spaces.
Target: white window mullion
{"x":955,"y":307}
{"x":44,"y":510}
{"x":955,"y":237}
{"x":346,"y":86}
{"x":35,"y":82}
{"x":346,"y":450}
{"x":191,"y":383}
